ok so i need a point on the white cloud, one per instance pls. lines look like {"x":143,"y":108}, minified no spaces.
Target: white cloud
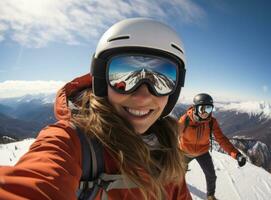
{"x":3,"y":28}
{"x":265,"y":88}
{"x":17,"y":88}
{"x":34,"y":23}
{"x":189,"y":11}
{"x":250,"y":107}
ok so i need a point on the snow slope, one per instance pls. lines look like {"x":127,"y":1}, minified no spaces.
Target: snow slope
{"x":233,"y":183}
{"x":11,"y":152}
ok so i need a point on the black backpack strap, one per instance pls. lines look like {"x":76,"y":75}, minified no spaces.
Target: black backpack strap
{"x":211,"y":132}
{"x":86,"y":158}
{"x":96,"y":150}
{"x":186,"y":123}
{"x":92,"y":165}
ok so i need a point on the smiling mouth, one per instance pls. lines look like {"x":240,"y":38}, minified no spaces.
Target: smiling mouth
{"x":138,"y":113}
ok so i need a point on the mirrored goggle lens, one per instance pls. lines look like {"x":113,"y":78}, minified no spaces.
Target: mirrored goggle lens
{"x":205,"y":109}
{"x":126,"y":72}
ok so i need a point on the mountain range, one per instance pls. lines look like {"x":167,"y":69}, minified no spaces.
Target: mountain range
{"x":23,"y":117}
{"x":247,"y":124}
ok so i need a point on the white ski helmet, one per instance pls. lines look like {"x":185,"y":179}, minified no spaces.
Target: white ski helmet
{"x":137,"y":35}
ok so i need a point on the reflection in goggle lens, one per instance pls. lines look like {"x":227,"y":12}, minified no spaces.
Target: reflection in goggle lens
{"x":205,"y":109}
{"x":126,"y":72}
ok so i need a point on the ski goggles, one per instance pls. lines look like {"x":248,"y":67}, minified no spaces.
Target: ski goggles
{"x":126,"y":72}
{"x":205,"y":109}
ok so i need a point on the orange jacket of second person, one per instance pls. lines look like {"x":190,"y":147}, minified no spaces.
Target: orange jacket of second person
{"x":195,"y":138}
{"x":51,"y":169}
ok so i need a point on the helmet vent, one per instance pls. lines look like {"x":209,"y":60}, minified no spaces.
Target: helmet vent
{"x":176,"y":47}
{"x":119,"y":38}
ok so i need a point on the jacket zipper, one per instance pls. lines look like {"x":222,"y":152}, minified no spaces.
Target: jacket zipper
{"x":199,"y":131}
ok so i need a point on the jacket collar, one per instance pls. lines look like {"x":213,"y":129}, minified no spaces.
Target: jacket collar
{"x":67,"y":93}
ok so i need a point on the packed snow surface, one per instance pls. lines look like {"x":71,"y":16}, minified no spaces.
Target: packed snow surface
{"x":233,"y":182}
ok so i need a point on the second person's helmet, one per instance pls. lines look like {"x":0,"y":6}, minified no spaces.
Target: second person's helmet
{"x":203,"y":99}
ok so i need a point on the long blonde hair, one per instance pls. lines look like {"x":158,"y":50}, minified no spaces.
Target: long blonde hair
{"x":150,"y":170}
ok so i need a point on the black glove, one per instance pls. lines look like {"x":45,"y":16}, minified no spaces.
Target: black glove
{"x":241,"y":159}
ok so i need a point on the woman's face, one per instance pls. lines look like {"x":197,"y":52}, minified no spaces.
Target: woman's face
{"x":140,"y":108}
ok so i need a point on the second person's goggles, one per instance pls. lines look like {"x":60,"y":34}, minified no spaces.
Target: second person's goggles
{"x":126,"y":72}
{"x":205,"y":109}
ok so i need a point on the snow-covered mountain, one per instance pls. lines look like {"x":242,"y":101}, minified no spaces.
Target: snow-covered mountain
{"x":41,"y":98}
{"x":23,"y":117}
{"x":131,"y":78}
{"x":246,"y":120}
{"x":262,"y":109}
{"x":16,"y":128}
{"x":25,"y":106}
{"x":233,"y":183}
{"x":257,"y":152}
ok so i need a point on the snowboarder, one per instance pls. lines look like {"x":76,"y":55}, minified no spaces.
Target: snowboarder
{"x":139,"y":141}
{"x":198,"y":125}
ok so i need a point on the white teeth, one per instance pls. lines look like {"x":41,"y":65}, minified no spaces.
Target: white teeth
{"x":138,"y":112}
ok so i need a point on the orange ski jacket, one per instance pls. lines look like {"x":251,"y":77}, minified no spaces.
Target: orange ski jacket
{"x":51,"y":169}
{"x":195,"y":138}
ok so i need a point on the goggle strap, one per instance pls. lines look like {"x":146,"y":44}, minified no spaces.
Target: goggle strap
{"x":97,"y":68}
{"x":182,"y":76}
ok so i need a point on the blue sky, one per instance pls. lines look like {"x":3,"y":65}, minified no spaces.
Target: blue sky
{"x":227,"y":43}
